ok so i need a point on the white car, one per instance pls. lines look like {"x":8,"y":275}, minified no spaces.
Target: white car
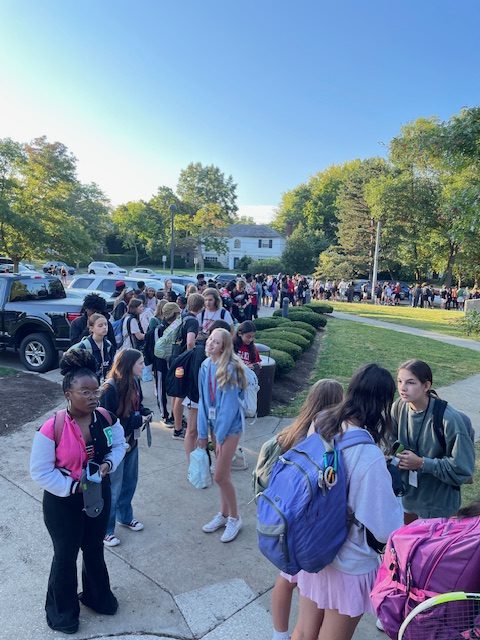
{"x":142,"y":273}
{"x":106,"y":269}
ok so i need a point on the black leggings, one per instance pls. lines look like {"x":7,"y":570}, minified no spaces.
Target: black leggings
{"x":71,"y":530}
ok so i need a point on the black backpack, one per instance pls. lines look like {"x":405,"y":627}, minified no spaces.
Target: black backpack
{"x":182,"y":375}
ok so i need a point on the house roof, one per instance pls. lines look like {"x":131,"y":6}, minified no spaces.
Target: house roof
{"x":252,"y":231}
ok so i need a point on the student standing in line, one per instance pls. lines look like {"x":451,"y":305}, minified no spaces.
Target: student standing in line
{"x":221,"y":381}
{"x":322,"y":395}
{"x":122,"y":394}
{"x":434,"y":471}
{"x":98,"y":345}
{"x":58,"y":460}
{"x":132,"y":330}
{"x":244,"y":345}
{"x":333,"y":600}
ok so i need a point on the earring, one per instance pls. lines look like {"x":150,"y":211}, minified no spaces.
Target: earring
{"x":69,"y":405}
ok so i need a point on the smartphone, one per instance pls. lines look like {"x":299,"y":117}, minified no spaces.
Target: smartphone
{"x":397,"y":448}
{"x":93,"y":472}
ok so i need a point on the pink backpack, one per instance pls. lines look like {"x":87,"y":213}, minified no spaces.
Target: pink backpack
{"x":423,"y":559}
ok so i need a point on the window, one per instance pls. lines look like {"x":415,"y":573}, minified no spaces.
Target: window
{"x":265,"y":244}
{"x":236,"y":244}
{"x":36,"y":289}
{"x":107,"y":285}
{"x":81,"y":283}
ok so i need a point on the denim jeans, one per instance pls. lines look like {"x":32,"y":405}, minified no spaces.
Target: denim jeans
{"x":123,"y":483}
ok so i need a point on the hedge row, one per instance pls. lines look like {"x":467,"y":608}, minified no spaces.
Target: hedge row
{"x":318,"y":307}
{"x":282,"y":334}
{"x":315,"y":319}
{"x":269,"y":323}
{"x":283,"y":345}
{"x":284,"y":362}
{"x":291,"y":329}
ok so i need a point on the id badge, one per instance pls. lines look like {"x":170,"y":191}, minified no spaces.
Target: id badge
{"x":413,"y":478}
{"x":136,"y":434}
{"x":212,"y":413}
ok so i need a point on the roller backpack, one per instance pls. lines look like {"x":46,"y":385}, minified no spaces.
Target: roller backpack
{"x":421,"y":560}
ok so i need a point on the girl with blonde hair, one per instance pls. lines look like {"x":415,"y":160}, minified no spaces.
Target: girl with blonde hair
{"x":221,"y":383}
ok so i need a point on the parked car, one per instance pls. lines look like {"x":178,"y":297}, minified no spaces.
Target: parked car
{"x":35,"y":317}
{"x":106,"y":284}
{"x":182,"y":281}
{"x":106,"y":269}
{"x":22,"y":269}
{"x":143,"y":272}
{"x":58,"y":264}
{"x":224,"y":278}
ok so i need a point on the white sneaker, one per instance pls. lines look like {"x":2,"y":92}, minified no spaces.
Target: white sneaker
{"x":232,"y":529}
{"x":217,"y":522}
{"x":111,"y":540}
{"x":379,"y":625}
{"x":134,"y":525}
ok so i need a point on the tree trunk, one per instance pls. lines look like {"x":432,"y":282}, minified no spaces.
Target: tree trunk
{"x":136,"y":254}
{"x":450,"y":263}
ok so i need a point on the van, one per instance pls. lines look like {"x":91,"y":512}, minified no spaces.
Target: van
{"x":106,"y":269}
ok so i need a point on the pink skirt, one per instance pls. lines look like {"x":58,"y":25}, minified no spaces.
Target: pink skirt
{"x":331,"y":589}
{"x":287,"y":576}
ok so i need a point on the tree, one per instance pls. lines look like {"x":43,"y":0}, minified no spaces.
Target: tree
{"x":141,"y":227}
{"x":299,"y":254}
{"x":36,"y":194}
{"x":200,"y":185}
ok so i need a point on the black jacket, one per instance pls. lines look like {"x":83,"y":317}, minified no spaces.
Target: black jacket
{"x":79,"y":330}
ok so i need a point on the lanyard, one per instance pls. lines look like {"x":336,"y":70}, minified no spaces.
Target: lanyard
{"x":211,"y":386}
{"x":415,"y":447}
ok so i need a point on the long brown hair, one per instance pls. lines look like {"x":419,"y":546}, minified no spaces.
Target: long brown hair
{"x":368,"y":403}
{"x":125,"y":383}
{"x":324,"y":394}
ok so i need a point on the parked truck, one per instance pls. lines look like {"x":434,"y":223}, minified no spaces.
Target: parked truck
{"x":35,"y":318}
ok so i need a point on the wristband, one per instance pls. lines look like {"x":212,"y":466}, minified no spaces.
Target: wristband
{"x":420,"y":468}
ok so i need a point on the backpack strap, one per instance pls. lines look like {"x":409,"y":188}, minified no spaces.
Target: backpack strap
{"x":106,"y":414}
{"x":222,"y":313}
{"x":439,"y":407}
{"x":352,"y":438}
{"x":58,"y":424}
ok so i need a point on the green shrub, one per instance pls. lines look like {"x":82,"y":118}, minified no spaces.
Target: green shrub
{"x":283,"y":345}
{"x":300,"y":332}
{"x":304,"y":326}
{"x":268,"y":323}
{"x":315,"y":319}
{"x":284,"y":362}
{"x":318,"y":307}
{"x":282,"y":334}
{"x":470,"y":322}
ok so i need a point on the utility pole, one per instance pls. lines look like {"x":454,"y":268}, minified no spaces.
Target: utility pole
{"x":375,"y":260}
{"x":172,"y":209}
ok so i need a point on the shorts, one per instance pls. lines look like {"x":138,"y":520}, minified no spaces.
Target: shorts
{"x":189,"y":404}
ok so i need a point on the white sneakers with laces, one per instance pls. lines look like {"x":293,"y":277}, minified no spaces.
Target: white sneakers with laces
{"x":215,"y":523}
{"x":232,"y":526}
{"x":232,"y":529}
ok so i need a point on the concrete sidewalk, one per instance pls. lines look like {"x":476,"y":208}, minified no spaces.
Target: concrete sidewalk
{"x":172,"y":580}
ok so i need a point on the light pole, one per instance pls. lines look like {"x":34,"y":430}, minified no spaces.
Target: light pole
{"x":375,"y":260}
{"x":172,"y":209}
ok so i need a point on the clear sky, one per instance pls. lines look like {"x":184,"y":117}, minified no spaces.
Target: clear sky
{"x":271,"y":91}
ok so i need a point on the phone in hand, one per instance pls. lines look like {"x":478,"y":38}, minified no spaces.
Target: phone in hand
{"x":397,"y":448}
{"x":93,"y":472}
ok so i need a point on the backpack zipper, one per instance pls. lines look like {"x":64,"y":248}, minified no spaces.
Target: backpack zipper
{"x":295,"y":464}
{"x":282,"y":537}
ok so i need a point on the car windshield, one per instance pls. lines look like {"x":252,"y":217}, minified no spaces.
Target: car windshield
{"x":36,"y":289}
{"x":110,"y":265}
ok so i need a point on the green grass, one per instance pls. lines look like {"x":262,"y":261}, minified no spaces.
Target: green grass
{"x":348,"y":345}
{"x":436,"y":320}
{"x":6,"y":371}
{"x":472,"y":491}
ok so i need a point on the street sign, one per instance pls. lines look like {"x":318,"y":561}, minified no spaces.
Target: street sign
{"x":195,"y":261}
{"x":164,"y":258}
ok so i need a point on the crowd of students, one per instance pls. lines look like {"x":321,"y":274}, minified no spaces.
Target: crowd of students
{"x":198,"y":353}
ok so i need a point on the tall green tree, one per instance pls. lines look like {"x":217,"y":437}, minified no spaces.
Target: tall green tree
{"x":299,"y":255}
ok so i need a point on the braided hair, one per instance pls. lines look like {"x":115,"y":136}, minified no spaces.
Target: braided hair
{"x":76,"y":363}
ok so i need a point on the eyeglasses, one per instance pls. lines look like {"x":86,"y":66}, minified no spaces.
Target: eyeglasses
{"x":88,"y":394}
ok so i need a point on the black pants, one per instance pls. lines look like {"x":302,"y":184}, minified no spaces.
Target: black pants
{"x":160,"y":370}
{"x":71,"y":530}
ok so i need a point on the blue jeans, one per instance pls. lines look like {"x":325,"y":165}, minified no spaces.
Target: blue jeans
{"x":123,"y":483}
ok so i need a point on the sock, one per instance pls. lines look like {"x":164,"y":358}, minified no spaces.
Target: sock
{"x":280,"y":635}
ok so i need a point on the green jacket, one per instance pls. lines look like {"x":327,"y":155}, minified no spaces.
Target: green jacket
{"x":438,"y":491}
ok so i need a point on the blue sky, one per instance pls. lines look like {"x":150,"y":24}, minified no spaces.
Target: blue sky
{"x":270,"y":91}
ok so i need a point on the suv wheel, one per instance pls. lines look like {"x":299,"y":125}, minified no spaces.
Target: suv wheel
{"x":357,"y":297}
{"x":91,"y":272}
{"x":37,"y":353}
{"x":110,"y":273}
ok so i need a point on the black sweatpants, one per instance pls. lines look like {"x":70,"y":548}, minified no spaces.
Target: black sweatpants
{"x":71,"y":530}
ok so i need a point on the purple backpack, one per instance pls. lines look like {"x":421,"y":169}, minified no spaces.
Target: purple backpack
{"x":302,"y":516}
{"x":423,"y":559}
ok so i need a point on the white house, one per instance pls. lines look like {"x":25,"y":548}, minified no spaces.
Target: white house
{"x":257,"y":241}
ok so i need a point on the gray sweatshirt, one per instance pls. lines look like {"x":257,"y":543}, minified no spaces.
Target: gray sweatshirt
{"x":438,"y":491}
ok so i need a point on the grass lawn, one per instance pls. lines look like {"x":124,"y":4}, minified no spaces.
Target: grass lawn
{"x":6,"y":371}
{"x":428,"y":319}
{"x":347,"y":345}
{"x":472,"y":491}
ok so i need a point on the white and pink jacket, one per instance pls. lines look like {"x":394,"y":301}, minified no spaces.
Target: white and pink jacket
{"x":57,"y":469}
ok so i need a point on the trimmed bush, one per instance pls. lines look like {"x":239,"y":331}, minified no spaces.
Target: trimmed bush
{"x":282,"y":334}
{"x":318,"y":307}
{"x":315,"y":319}
{"x":304,"y":326}
{"x":284,"y":362}
{"x":283,"y":345}
{"x":269,"y":323}
{"x":291,"y":329}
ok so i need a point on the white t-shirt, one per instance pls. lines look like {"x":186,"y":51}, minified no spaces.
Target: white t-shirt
{"x":134,"y":328}
{"x":209,"y":318}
